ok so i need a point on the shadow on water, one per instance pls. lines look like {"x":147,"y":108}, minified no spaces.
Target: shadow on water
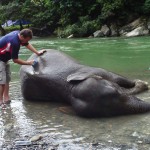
{"x":24,"y":119}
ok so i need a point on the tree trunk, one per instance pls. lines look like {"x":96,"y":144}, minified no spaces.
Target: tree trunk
{"x":2,"y":30}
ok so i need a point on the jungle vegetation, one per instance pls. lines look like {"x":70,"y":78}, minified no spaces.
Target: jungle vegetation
{"x":80,"y":17}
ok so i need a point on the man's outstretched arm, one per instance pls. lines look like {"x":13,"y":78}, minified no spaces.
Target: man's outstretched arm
{"x":31,"y":48}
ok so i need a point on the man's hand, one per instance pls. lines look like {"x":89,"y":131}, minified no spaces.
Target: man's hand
{"x":41,"y":52}
{"x":30,"y":62}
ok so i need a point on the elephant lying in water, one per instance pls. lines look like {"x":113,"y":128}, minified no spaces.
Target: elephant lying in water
{"x":92,"y":92}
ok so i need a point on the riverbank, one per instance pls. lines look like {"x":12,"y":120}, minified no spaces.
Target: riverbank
{"x":137,"y":27}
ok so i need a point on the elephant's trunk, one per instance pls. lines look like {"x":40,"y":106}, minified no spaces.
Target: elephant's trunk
{"x":135,"y":105}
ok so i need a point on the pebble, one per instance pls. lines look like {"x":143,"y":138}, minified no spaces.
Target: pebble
{"x":135,"y":134}
{"x":23,"y":143}
{"x":8,"y":127}
{"x":95,"y":144}
{"x":51,"y":148}
{"x":36,"y":138}
{"x":139,"y":142}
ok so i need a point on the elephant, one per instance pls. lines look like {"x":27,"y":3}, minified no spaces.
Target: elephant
{"x":90,"y":91}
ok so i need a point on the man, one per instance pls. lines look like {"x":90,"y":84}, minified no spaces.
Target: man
{"x":9,"y":49}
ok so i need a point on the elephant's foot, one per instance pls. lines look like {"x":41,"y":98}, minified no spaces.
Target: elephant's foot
{"x":66,"y":110}
{"x":140,"y":86}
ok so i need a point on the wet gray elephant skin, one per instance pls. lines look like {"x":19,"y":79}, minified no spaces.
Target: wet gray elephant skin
{"x":92,"y":92}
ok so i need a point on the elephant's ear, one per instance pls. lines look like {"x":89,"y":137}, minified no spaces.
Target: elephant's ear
{"x":79,"y":76}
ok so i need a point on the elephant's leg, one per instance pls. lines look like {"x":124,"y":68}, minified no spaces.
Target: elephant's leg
{"x":120,"y":80}
{"x":95,"y":98}
{"x":128,"y":86}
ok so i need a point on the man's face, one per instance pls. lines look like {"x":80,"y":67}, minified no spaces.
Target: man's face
{"x":25,"y":40}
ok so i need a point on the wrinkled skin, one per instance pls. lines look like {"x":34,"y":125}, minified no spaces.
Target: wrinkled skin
{"x":92,"y":92}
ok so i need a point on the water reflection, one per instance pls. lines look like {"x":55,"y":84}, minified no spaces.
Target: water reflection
{"x":24,"y":119}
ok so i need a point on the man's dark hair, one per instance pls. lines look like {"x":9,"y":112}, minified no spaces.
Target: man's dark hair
{"x":26,"y":33}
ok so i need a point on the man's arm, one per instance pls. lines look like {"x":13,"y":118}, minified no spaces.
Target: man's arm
{"x":31,"y":48}
{"x":22,"y":62}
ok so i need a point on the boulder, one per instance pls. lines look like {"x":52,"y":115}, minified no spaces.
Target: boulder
{"x":105,"y":30}
{"x":114,"y":30}
{"x":148,"y":24}
{"x":130,"y":27}
{"x":98,"y":33}
{"x":70,"y":36}
{"x":138,"y":32}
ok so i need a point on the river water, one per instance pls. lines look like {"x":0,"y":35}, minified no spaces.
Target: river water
{"x":23,"y":119}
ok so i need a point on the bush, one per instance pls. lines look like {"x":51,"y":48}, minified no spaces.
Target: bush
{"x":146,"y":7}
{"x":82,"y":29}
{"x":13,"y":28}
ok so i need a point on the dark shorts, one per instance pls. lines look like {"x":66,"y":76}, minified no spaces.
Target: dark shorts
{"x":5,"y":74}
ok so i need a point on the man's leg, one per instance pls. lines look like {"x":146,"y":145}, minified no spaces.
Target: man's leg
{"x":1,"y":93}
{"x":6,"y":97}
{"x":6,"y":93}
{"x":2,"y":80}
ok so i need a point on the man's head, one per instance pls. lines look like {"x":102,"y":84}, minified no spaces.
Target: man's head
{"x":25,"y":35}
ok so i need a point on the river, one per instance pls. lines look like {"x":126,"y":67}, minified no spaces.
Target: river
{"x":22,"y":119}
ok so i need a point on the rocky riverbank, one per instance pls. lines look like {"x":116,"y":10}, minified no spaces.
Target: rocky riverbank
{"x":138,"y":27}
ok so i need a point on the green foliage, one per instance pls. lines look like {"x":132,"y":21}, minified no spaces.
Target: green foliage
{"x":79,"y":17}
{"x":83,"y":28}
{"x":12,"y":28}
{"x":111,"y":7}
{"x":146,"y":7}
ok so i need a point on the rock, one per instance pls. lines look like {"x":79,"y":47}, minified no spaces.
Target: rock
{"x":148,"y":24}
{"x":51,"y":148}
{"x":98,"y":33}
{"x":131,"y":26}
{"x":138,"y":32}
{"x":145,"y":32}
{"x":139,"y":142}
{"x":9,"y":127}
{"x":23,"y":143}
{"x":91,"y":36}
{"x":114,"y":30}
{"x":135,"y":134}
{"x":95,"y":144}
{"x":36,"y":138}
{"x":70,"y":36}
{"x":105,"y":30}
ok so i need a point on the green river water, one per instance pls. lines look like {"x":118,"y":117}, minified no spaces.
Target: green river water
{"x":23,"y":119}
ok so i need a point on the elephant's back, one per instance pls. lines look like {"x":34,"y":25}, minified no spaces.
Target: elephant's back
{"x":53,"y":62}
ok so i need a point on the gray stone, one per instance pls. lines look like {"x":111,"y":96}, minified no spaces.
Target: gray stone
{"x":138,"y":32}
{"x":23,"y":143}
{"x":114,"y":30}
{"x":36,"y":138}
{"x":105,"y":30}
{"x":98,"y":33}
